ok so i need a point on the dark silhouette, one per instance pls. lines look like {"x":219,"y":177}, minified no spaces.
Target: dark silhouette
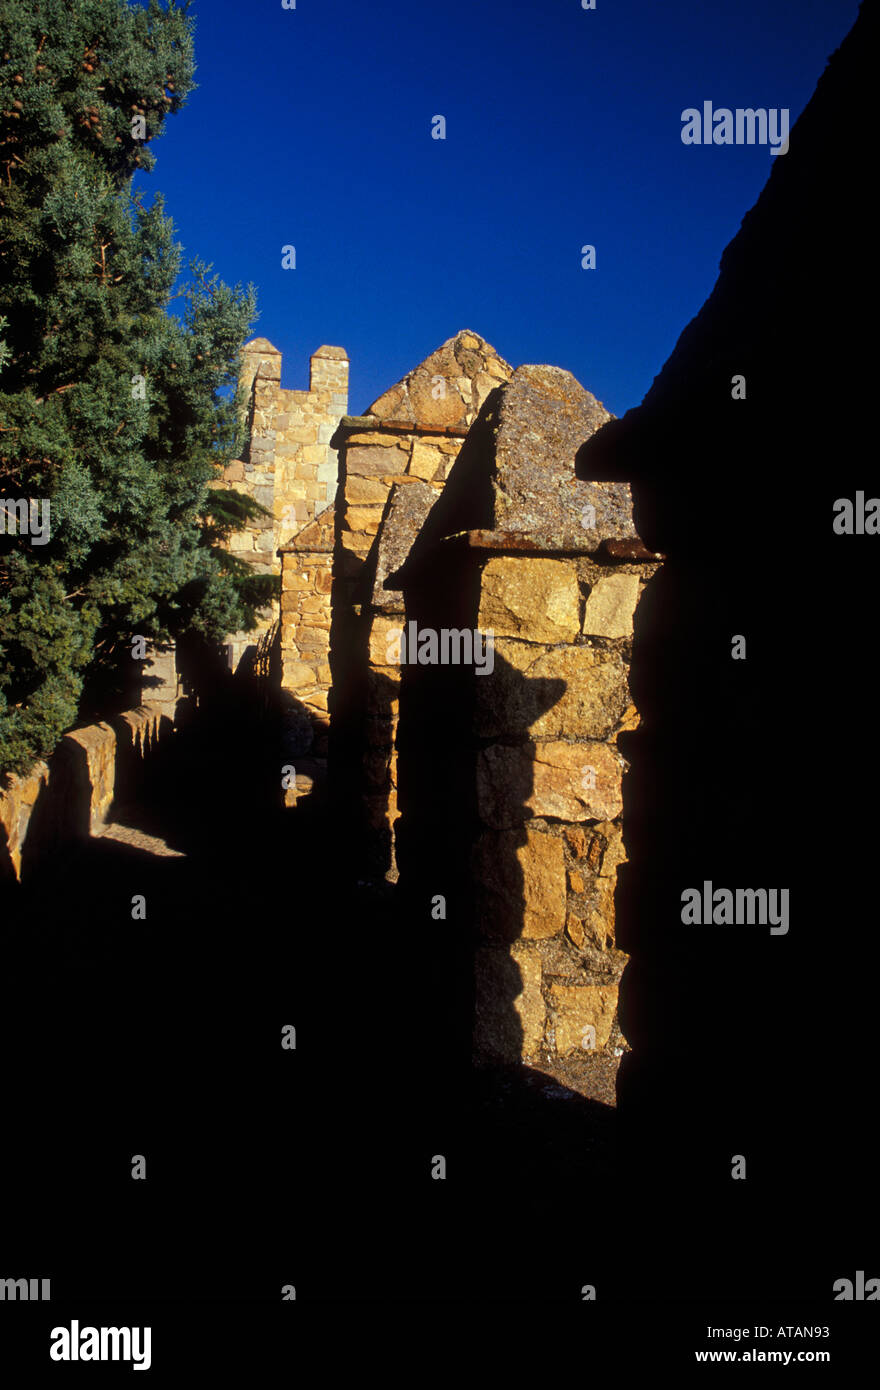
{"x":742,"y":771}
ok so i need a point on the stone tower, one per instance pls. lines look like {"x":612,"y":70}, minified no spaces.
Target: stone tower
{"x":289,"y":466}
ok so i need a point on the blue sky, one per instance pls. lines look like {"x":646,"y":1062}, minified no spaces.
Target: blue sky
{"x":312,"y":127}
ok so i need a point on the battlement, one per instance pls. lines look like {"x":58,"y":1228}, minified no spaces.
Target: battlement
{"x":288,"y":465}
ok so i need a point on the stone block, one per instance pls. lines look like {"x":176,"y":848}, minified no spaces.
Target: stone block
{"x":520,"y":884}
{"x":578,"y":692}
{"x":429,"y":406}
{"x":409,"y":506}
{"x":315,"y":633}
{"x":382,"y":644}
{"x":549,"y":779}
{"x":611,"y":605}
{"x":315,"y":603}
{"x":538,"y":600}
{"x":509,"y":1004}
{"x":296,"y":675}
{"x":363,"y":519}
{"x":374,"y":461}
{"x":544,"y":417}
{"x":387,"y":404}
{"x":606,"y":851}
{"x":577,"y":1008}
{"x":529,"y":1002}
{"x":599,"y":915}
{"x":357,"y":544}
{"x":574,"y":930}
{"x":425,"y":460}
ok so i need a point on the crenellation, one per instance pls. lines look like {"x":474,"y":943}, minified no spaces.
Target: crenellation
{"x":289,"y":466}
{"x":452,"y":505}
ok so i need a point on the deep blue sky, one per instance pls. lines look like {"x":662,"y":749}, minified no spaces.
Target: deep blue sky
{"x":312,"y":127}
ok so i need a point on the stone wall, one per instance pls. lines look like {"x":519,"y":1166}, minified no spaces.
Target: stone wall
{"x":499,"y":794}
{"x":306,"y":583}
{"x":290,"y":466}
{"x":510,"y":778}
{"x":393,"y":463}
{"x":155,"y":681}
{"x":70,"y":795}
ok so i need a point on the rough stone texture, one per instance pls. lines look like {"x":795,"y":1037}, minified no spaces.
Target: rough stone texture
{"x":306,"y":582}
{"x":515,"y":475}
{"x":374,"y":460}
{"x":610,"y":607}
{"x":448,"y":388}
{"x":510,"y":1009}
{"x":577,"y":691}
{"x":427,"y":461}
{"x":544,"y":417}
{"x":574,"y":929}
{"x":98,"y":745}
{"x":466,"y":470}
{"x":547,"y":779}
{"x":535,"y":548}
{"x":393,"y":466}
{"x":604,"y":849}
{"x":154,"y":681}
{"x":382,"y":641}
{"x":598,"y":909}
{"x":577,"y":1007}
{"x":407,"y":510}
{"x":536,"y":599}
{"x":529,"y":1002}
{"x":76,"y":788}
{"x":521,"y":885}
{"x":17,"y":798}
{"x":290,"y":466}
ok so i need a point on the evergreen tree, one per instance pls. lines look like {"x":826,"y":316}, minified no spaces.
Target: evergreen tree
{"x":112,"y":409}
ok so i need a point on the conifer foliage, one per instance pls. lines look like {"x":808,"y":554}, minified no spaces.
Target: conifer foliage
{"x":117,"y":412}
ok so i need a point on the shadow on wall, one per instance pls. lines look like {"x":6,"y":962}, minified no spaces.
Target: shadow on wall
{"x":358,"y":696}
{"x":442,"y":839}
{"x":63,"y":809}
{"x":90,"y":772}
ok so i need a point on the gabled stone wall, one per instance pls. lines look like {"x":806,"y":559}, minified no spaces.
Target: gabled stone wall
{"x":497,"y":795}
{"x":510,"y":778}
{"x":393,"y":463}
